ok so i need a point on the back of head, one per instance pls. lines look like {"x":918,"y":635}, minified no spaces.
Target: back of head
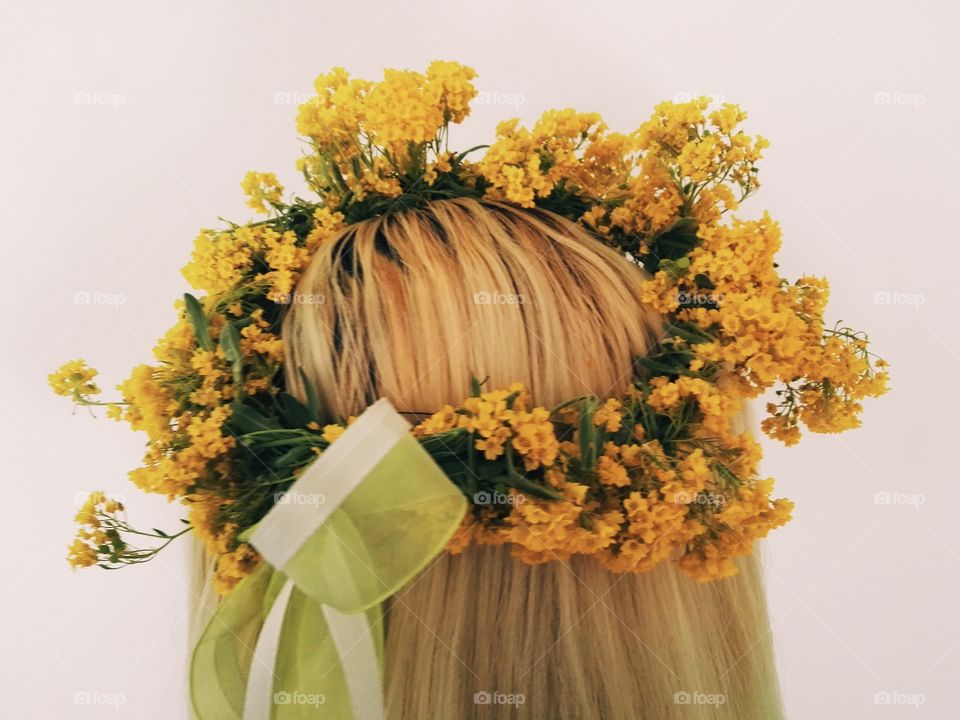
{"x":412,"y":305}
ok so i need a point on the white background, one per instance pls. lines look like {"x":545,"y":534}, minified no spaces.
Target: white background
{"x":126,"y":127}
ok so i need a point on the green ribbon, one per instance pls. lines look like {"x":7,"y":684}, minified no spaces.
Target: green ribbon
{"x":301,"y":637}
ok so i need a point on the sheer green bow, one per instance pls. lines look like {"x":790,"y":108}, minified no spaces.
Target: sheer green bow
{"x":302,"y":636}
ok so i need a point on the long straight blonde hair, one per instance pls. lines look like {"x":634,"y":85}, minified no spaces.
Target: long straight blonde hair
{"x":410,"y":306}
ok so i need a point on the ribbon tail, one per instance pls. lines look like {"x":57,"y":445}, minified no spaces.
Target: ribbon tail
{"x":359,"y":658}
{"x":259,"y":697}
{"x":222,"y":656}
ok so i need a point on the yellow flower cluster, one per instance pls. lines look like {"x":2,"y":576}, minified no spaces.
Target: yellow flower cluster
{"x":770,"y":333}
{"x":248,"y":258}
{"x":702,"y":147}
{"x":74,"y":379}
{"x":746,"y":518}
{"x":183,"y":403}
{"x":497,"y":420}
{"x":262,"y":189}
{"x":634,"y":506}
{"x":660,"y":194}
{"x":544,"y":530}
{"x":370,"y":137}
{"x":683,"y":161}
{"x":523,"y":165}
{"x":92,"y":533}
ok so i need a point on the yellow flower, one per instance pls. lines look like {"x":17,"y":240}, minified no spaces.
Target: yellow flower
{"x":444,"y":419}
{"x":610,"y":472}
{"x":86,"y":547}
{"x":81,"y":554}
{"x":708,"y":564}
{"x":149,"y":404}
{"x":665,"y":396}
{"x":206,"y":435}
{"x":74,"y":379}
{"x":492,"y":446}
{"x":523,"y":165}
{"x":260,"y":188}
{"x":609,"y":415}
{"x":534,"y":438}
{"x":332,"y":432}
{"x":325,"y":224}
{"x":233,"y":566}
{"x":369,"y":137}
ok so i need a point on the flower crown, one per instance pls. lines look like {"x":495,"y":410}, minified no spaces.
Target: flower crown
{"x":657,"y":475}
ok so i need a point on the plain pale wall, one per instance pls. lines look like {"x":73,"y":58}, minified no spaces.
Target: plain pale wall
{"x":126,"y":127}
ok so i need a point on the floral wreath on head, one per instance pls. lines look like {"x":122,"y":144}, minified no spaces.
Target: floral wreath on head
{"x":657,"y":475}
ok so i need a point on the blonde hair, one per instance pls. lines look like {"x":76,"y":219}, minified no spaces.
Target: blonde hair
{"x":410,"y":306}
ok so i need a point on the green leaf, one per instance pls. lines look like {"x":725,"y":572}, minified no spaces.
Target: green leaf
{"x":313,"y":403}
{"x":452,"y":443}
{"x":245,"y":419}
{"x":588,"y":444}
{"x":461,"y":156}
{"x":230,"y":343}
{"x":703,"y":282}
{"x":727,"y":474}
{"x":649,"y":416}
{"x":691,"y":336}
{"x":201,"y":326}
{"x":338,"y":176}
{"x":676,"y":269}
{"x":293,"y":411}
{"x":295,"y":457}
{"x":266,"y":439}
{"x":676,"y":241}
{"x":662,"y":368}
{"x":526,"y":485}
